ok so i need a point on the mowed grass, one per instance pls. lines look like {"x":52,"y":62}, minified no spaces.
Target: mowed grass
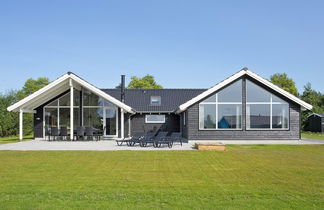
{"x":245,"y":177}
{"x":13,"y":139}
{"x":313,"y":135}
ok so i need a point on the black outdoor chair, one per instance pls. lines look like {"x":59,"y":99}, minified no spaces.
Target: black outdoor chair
{"x":162,"y":138}
{"x":168,"y":140}
{"x":136,"y":137}
{"x":149,"y":138}
{"x":54,"y":132}
{"x":175,"y":137}
{"x":80,"y":133}
{"x":64,"y":133}
{"x":89,"y":133}
{"x":97,"y":133}
{"x":47,"y":133}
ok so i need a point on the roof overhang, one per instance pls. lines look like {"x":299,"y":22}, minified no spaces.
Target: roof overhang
{"x":59,"y":86}
{"x":236,"y":76}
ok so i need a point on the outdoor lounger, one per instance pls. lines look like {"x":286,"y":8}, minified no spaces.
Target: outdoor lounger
{"x":161,"y":135}
{"x":136,"y":137}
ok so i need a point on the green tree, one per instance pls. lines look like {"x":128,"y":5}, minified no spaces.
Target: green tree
{"x":286,"y":83}
{"x":316,"y":99}
{"x":9,"y":120}
{"x":32,"y":85}
{"x":147,"y":82}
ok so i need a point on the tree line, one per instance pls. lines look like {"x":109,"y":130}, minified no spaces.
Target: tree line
{"x":9,"y":122}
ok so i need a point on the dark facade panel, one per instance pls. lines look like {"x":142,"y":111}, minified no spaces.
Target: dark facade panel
{"x":172,"y":124}
{"x":38,"y":123}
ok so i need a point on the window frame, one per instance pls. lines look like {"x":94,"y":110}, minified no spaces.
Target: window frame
{"x":154,"y":122}
{"x":158,"y":97}
{"x":216,"y":110}
{"x":271,"y":102}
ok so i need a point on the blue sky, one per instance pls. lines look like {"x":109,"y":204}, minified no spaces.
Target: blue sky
{"x":185,"y":44}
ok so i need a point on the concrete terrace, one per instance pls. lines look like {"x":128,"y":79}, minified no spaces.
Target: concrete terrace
{"x":108,"y":145}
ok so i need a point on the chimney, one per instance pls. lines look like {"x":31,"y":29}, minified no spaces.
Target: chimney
{"x":122,"y":89}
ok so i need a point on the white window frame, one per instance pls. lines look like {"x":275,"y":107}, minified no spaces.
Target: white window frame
{"x":159,"y":99}
{"x":266,"y":103}
{"x":216,"y":111}
{"x":148,"y":121}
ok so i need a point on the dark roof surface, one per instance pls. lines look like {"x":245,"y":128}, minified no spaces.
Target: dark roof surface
{"x":139,"y":99}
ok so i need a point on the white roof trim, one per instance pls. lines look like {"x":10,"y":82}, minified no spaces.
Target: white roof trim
{"x":315,"y":115}
{"x":239,"y":74}
{"x":20,"y":104}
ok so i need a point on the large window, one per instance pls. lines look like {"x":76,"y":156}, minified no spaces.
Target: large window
{"x":222,"y":110}
{"x":57,"y":113}
{"x":265,"y":110}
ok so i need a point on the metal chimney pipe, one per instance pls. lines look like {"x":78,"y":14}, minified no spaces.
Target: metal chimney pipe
{"x":122,"y":88}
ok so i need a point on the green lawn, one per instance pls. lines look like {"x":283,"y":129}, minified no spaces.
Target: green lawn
{"x":12,"y":139}
{"x":312,"y":135}
{"x":246,"y":177}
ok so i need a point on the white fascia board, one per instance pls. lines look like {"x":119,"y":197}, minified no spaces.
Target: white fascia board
{"x":211,"y":90}
{"x":20,"y":104}
{"x":102,"y":94}
{"x":279,"y":90}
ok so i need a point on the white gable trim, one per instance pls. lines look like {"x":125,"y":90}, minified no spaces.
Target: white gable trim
{"x":239,"y":74}
{"x":20,"y":104}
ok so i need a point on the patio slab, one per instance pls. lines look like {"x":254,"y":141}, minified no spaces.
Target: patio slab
{"x":109,"y":145}
{"x":103,"y":145}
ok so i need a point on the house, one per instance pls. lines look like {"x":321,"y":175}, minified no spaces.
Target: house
{"x":243,"y":106}
{"x":316,"y":122}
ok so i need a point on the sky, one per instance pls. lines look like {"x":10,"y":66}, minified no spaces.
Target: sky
{"x":184,"y":44}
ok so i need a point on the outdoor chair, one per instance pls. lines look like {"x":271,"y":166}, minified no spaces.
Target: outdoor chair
{"x":163,"y":139}
{"x":175,"y":137}
{"x":80,"y":133}
{"x":47,"y":133}
{"x":89,"y":133}
{"x":63,"y":133}
{"x":54,"y":132}
{"x":136,"y":137}
{"x":146,"y":137}
{"x":97,"y":133}
{"x":152,"y":139}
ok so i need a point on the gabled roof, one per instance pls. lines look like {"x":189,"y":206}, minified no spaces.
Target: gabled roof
{"x":232,"y":78}
{"x":59,"y":86}
{"x":139,"y":99}
{"x":316,"y":114}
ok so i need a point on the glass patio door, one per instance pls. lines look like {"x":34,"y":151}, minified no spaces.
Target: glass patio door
{"x":110,"y":121}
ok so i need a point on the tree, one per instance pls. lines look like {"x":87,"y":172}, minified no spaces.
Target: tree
{"x":32,"y":85}
{"x":286,"y":83}
{"x":147,"y":82}
{"x":9,"y":120}
{"x":316,"y":99}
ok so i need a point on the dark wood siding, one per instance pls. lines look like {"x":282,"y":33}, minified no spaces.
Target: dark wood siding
{"x":172,"y":124}
{"x":38,"y":123}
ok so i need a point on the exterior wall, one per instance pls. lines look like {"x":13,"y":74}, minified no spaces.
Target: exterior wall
{"x":172,"y":124}
{"x":38,"y":123}
{"x":194,"y":133}
{"x":184,"y":122}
